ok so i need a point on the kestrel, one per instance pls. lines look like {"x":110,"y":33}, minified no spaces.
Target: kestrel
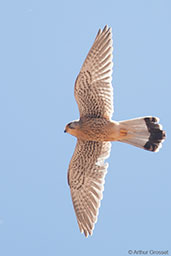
{"x":95,"y":129}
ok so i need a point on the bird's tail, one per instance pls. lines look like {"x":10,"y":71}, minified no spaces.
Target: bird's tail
{"x":144,"y":132}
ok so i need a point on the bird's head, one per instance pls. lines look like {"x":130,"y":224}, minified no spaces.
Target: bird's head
{"x":72,"y":128}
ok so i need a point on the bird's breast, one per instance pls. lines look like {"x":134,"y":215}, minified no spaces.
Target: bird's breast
{"x":98,"y":129}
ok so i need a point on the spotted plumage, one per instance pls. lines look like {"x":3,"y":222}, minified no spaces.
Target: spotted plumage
{"x":95,"y":129}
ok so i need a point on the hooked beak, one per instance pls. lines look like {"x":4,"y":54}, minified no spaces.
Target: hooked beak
{"x":65,"y":130}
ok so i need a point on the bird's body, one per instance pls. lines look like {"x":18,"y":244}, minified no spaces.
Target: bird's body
{"x":95,"y":129}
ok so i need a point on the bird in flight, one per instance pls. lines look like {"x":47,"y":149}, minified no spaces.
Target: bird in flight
{"x":95,"y":130}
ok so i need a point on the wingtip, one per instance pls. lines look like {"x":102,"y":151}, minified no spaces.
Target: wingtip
{"x":99,"y":32}
{"x":107,"y":28}
{"x":88,"y":233}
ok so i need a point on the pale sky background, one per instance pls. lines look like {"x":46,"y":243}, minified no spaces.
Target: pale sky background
{"x":42,"y":47}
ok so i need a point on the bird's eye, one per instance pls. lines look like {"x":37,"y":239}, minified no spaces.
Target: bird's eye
{"x":70,"y":125}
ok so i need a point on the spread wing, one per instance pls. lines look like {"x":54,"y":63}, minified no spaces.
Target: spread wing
{"x":93,"y":88}
{"x":86,"y":175}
